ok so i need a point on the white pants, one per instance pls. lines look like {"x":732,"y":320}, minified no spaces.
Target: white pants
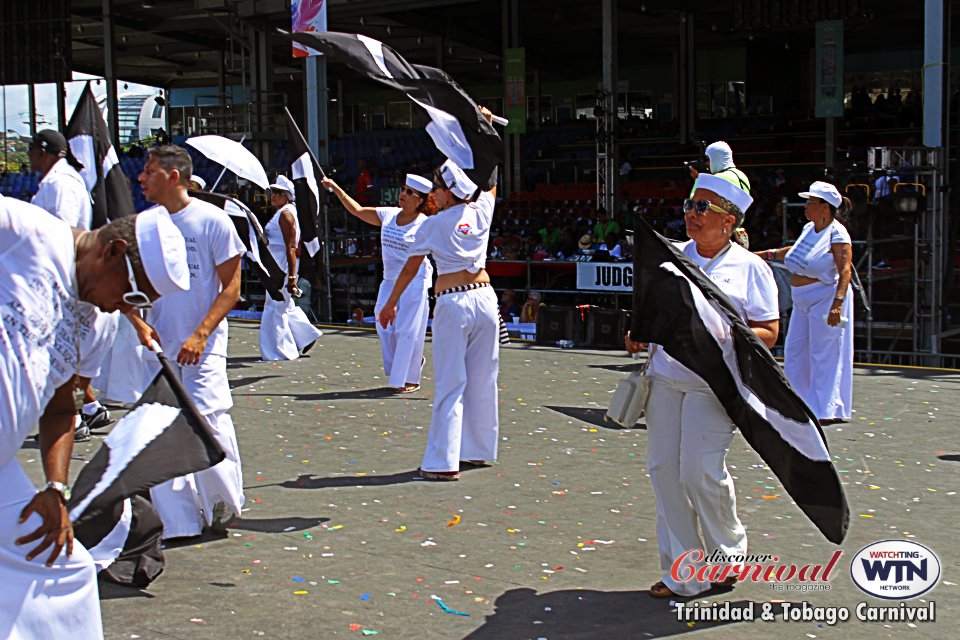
{"x":689,"y":434}
{"x":402,"y":342}
{"x":466,"y":360}
{"x":38,"y":601}
{"x":284,"y":329}
{"x":187,"y":502}
{"x":818,"y":358}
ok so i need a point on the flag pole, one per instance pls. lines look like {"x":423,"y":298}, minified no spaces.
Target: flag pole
{"x":224,"y":170}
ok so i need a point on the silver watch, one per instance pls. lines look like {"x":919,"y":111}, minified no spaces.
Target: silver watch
{"x":62,"y":489}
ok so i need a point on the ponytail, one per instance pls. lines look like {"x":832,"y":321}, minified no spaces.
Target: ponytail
{"x":842,"y":212}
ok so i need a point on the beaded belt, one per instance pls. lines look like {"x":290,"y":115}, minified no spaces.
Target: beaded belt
{"x":504,"y":336}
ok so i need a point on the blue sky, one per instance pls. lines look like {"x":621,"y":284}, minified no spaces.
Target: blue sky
{"x":16,"y":107}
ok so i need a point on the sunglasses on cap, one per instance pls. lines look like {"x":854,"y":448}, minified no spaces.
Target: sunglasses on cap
{"x":135,"y":298}
{"x":411,"y":192}
{"x":701,"y":207}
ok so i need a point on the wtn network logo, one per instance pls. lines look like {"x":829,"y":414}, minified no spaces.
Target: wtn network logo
{"x":895,"y":569}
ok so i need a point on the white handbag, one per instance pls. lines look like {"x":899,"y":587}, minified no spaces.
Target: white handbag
{"x":630,"y":398}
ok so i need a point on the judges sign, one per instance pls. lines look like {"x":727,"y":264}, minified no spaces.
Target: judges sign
{"x":605,"y":276}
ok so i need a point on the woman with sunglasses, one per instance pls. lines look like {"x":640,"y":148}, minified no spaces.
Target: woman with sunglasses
{"x":688,"y":429}
{"x":401,"y":344}
{"x":818,"y":353}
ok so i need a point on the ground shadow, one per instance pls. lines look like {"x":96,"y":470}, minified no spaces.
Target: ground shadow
{"x":242,"y":361}
{"x":633,"y":365}
{"x":208,"y":535}
{"x":310,"y":482}
{"x":585,"y":614}
{"x":276,"y":525}
{"x":892,"y":371}
{"x":242,"y":382}
{"x":112,"y":591}
{"x":950,"y":457}
{"x":358,"y":394}
{"x":592,"y":416}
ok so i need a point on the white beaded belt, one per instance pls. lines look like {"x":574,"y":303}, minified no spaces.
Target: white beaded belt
{"x":463,"y":287}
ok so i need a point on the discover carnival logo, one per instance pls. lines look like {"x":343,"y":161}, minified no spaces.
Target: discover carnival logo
{"x":895,"y":569}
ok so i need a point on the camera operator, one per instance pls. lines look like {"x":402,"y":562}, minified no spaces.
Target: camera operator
{"x":720,"y":156}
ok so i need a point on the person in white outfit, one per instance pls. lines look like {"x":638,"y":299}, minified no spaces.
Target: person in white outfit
{"x":401,"y":342}
{"x":51,"y":275}
{"x":193,"y":325}
{"x":465,"y":424}
{"x":818,"y":352}
{"x":285,"y":329}
{"x":688,"y":429}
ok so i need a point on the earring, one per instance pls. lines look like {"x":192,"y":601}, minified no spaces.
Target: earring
{"x":724,"y":231}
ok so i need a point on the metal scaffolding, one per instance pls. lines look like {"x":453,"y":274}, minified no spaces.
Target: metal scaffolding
{"x":605,"y":113}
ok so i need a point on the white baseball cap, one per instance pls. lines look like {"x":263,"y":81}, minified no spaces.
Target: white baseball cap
{"x":824,"y":191}
{"x":163,"y":252}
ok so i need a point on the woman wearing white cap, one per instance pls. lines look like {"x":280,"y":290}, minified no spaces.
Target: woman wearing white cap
{"x":818,"y":353}
{"x":402,"y":342}
{"x":466,"y":324}
{"x":284,"y":327}
{"x":689,"y":431}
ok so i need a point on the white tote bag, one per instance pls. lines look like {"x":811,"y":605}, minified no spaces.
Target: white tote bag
{"x":630,"y":398}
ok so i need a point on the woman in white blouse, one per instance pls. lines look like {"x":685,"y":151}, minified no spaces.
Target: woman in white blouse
{"x":688,"y":430}
{"x":818,"y":353}
{"x":401,"y":343}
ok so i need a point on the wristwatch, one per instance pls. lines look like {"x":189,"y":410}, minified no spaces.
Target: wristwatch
{"x":838,"y":300}
{"x":62,"y":489}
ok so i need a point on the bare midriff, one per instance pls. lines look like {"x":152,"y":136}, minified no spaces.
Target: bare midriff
{"x":460,"y":278}
{"x":797,"y":280}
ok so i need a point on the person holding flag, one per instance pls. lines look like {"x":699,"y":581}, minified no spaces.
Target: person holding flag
{"x":689,"y":429}
{"x":193,"y":325}
{"x":401,"y":342}
{"x":44,"y":312}
{"x":284,"y":327}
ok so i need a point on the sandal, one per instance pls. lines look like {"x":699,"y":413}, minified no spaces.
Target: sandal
{"x":440,"y":476}
{"x":660,"y":590}
{"x":409,"y":388}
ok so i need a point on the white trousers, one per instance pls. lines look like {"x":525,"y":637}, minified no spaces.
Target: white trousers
{"x":187,"y":502}
{"x":402,"y":342}
{"x":284,"y":329}
{"x":818,"y":358}
{"x":41,"y":602}
{"x":466,"y":361}
{"x":689,"y":434}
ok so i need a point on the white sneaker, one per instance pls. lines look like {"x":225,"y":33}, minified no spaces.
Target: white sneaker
{"x":221,"y":517}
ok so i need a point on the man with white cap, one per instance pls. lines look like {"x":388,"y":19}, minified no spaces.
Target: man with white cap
{"x":52,"y":278}
{"x":465,"y":424}
{"x":62,"y":191}
{"x":818,"y":351}
{"x":401,"y":343}
{"x":689,"y":431}
{"x":193,"y":325}
{"x":720,"y":156}
{"x":284,"y":327}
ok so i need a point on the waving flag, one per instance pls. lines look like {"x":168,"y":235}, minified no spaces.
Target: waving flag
{"x":678,"y":307}
{"x":90,"y":143}
{"x":265,"y":266}
{"x":457,"y":127}
{"x":306,"y":181}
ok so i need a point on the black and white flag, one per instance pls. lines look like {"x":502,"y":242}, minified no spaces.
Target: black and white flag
{"x":306,"y":185}
{"x":90,"y":144}
{"x":162,"y":437}
{"x":457,"y":127}
{"x":678,"y":307}
{"x":264,"y":265}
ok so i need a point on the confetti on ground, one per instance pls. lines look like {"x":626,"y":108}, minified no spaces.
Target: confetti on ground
{"x":444,"y":606}
{"x":455,"y":521}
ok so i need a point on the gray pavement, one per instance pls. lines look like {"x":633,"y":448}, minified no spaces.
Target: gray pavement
{"x":556,"y":540}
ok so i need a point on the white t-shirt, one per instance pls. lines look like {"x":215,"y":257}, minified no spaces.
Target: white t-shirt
{"x":745,"y":279}
{"x":395,"y":243}
{"x":211,"y":240}
{"x":97,"y":333}
{"x":811,"y":256}
{"x":40,"y":317}
{"x":63,"y":193}
{"x":457,"y":237}
{"x":274,"y":236}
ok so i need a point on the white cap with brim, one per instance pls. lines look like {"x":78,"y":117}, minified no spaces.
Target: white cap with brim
{"x":457,"y":181}
{"x":162,"y":252}
{"x":720,"y":155}
{"x":284,"y":184}
{"x":824,"y":191}
{"x":200,"y":182}
{"x":419,"y":183}
{"x":725,"y":189}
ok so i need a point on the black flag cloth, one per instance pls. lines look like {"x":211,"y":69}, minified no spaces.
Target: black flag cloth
{"x":264,"y":265}
{"x":678,"y":307}
{"x":163,"y":437}
{"x":457,"y":127}
{"x":90,"y":143}
{"x":306,"y":181}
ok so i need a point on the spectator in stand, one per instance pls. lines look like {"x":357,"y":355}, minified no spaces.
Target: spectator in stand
{"x":550,"y":236}
{"x":612,"y":246}
{"x":508,"y":305}
{"x":531,"y":307}
{"x":567,"y":248}
{"x":585,"y":246}
{"x":604,"y":226}
{"x":364,"y":190}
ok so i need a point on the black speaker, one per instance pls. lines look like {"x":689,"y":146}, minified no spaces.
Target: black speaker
{"x":559,"y":323}
{"x":36,"y":44}
{"x":606,"y":328}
